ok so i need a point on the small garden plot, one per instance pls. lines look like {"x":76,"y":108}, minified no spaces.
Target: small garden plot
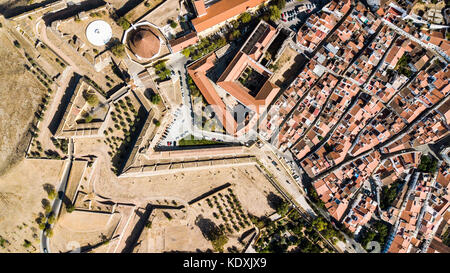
{"x":125,"y":123}
{"x":228,"y":212}
{"x":402,"y":66}
{"x":94,"y":109}
{"x":113,"y":76}
{"x":36,"y":149}
{"x":38,"y":72}
{"x":205,"y":46}
{"x":162,"y":71}
{"x":53,"y":65}
{"x":252,"y":80}
{"x":286,"y":67}
{"x":191,"y":141}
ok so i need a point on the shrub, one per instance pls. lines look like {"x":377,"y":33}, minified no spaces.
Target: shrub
{"x":88,"y":119}
{"x":173,"y":24}
{"x":26,"y":244}
{"x":90,"y":98}
{"x":51,"y":194}
{"x":49,"y":232}
{"x":70,"y":208}
{"x":123,"y":23}
{"x":245,"y":17}
{"x":51,"y":219}
{"x":118,"y":50}
{"x":155,"y":99}
{"x":186,"y":52}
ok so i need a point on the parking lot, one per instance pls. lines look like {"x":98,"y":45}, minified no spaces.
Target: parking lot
{"x":295,"y":13}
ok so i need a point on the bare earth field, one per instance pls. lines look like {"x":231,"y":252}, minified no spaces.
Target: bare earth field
{"x":12,"y":3}
{"x":20,"y":94}
{"x":178,"y":234}
{"x":82,"y":228}
{"x":288,"y":65}
{"x":21,"y":194}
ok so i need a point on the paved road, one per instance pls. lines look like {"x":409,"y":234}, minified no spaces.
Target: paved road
{"x":284,"y":176}
{"x":57,"y":203}
{"x":178,"y":64}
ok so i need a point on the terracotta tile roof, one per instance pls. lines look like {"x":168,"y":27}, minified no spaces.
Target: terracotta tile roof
{"x":222,"y":11}
{"x":183,"y":42}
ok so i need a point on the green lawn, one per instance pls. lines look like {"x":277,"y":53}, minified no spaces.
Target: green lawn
{"x":190,"y":141}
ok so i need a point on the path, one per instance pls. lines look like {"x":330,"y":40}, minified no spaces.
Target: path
{"x":57,"y":203}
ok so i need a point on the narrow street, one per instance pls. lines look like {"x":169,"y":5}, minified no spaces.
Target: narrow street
{"x":57,"y":203}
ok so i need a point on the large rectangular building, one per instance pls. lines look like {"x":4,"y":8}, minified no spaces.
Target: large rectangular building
{"x":220,"y":12}
{"x":245,"y":79}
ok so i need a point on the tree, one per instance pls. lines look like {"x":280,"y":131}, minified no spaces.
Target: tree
{"x":245,"y":17}
{"x":92,"y":100}
{"x":123,"y":23}
{"x":155,"y":99}
{"x":186,"y":52}
{"x":283,"y":208}
{"x":70,"y":208}
{"x":156,"y":122}
{"x":319,"y":224}
{"x":281,"y":4}
{"x":274,"y":13}
{"x":51,"y":194}
{"x":49,"y":232}
{"x":26,"y":244}
{"x":218,"y":238}
{"x":235,"y":34}
{"x":173,"y":24}
{"x":51,"y":219}
{"x":118,"y":50}
{"x":235,"y":24}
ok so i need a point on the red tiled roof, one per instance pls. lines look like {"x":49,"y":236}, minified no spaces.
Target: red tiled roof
{"x":222,"y":11}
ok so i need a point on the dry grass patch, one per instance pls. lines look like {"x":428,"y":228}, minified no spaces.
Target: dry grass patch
{"x":20,"y":95}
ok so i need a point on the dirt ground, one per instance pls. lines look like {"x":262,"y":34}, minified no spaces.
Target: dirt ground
{"x":20,"y":94}
{"x":83,"y":229}
{"x":288,"y":66}
{"x":15,"y":3}
{"x":178,"y":234}
{"x":141,"y":9}
{"x":21,"y":194}
{"x":185,"y":185}
{"x":183,"y":233}
{"x":167,"y":11}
